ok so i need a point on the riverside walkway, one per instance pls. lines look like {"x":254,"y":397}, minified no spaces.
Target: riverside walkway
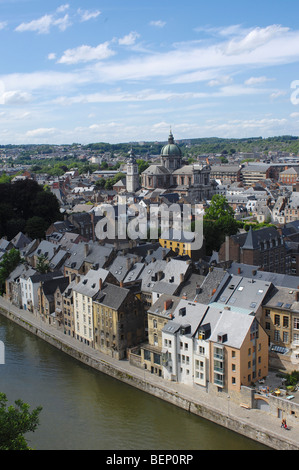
{"x":258,"y":423}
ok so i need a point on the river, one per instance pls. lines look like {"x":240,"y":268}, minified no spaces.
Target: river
{"x":86,"y":410}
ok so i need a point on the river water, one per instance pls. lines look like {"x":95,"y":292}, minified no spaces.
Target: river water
{"x":84,"y":409}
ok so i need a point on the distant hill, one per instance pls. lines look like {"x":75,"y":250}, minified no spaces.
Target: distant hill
{"x":194,"y":146}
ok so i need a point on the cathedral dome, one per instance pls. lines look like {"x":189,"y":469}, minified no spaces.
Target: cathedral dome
{"x":171,"y":149}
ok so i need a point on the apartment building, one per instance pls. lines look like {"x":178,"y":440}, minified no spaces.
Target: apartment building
{"x":214,"y":346}
{"x":179,"y":340}
{"x":118,"y":319}
{"x":158,"y":316}
{"x":281,"y":319}
{"x":238,"y":352}
{"x":84,"y":291}
{"x":265,"y":248}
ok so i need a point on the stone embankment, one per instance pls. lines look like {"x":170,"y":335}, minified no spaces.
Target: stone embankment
{"x":254,"y":424}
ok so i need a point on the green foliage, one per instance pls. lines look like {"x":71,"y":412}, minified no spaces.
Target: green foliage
{"x":36,"y":227}
{"x":142,"y":165}
{"x":257,"y":226}
{"x":292,"y":378}
{"x":42,"y":265}
{"x":21,"y":201}
{"x":15,"y":421}
{"x":219,"y":221}
{"x":9,"y":262}
{"x":4,"y":178}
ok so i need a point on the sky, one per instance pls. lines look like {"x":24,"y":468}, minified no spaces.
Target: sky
{"x":120,"y":71}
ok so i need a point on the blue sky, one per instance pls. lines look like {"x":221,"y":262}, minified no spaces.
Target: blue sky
{"x":128,"y":70}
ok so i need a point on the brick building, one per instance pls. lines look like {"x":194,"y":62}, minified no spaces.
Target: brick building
{"x":264,"y":248}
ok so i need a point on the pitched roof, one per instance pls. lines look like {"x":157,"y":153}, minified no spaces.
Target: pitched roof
{"x":236,"y":327}
{"x":112,"y":296}
{"x":89,"y":284}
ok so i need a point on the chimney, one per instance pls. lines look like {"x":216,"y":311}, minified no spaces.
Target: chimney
{"x":121,"y":284}
{"x":167,"y":304}
{"x":297,"y":296}
{"x":100,"y":283}
{"x":181,"y":277}
{"x":239,"y":270}
{"x":86,"y":249}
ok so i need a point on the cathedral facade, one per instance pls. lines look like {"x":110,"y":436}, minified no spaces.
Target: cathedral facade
{"x":188,"y":180}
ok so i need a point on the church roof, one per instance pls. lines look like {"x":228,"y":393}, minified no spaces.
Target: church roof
{"x":171,"y":149}
{"x":156,"y":170}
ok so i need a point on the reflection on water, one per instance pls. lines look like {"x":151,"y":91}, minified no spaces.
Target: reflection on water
{"x":86,"y":410}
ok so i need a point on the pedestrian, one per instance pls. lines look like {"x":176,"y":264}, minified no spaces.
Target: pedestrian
{"x":283,"y":423}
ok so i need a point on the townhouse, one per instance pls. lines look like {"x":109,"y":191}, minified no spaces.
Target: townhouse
{"x":281,"y":319}
{"x":84,"y":291}
{"x":46,"y":297}
{"x":118,"y":319}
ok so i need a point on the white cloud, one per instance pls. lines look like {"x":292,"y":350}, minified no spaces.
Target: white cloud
{"x":256,"y":80}
{"x":220,"y":81}
{"x":63,"y":23}
{"x":129,"y":39}
{"x":15,"y":97}
{"x":86,"y":53}
{"x":41,"y":132}
{"x":87,"y":15}
{"x":158,"y":23}
{"x":62,"y":8}
{"x":3,"y":24}
{"x":277,"y":94}
{"x":254,"y":39}
{"x":41,"y":25}
{"x":52,"y":56}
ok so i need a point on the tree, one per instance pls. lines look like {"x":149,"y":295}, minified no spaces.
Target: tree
{"x":36,"y":227}
{"x":9,"y":262}
{"x":15,"y":421}
{"x":219,"y":221}
{"x":42,"y":265}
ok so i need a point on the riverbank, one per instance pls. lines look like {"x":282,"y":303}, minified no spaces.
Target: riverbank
{"x":255,"y":424}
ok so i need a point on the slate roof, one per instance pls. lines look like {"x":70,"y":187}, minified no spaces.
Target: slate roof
{"x":97,"y":255}
{"x":194,"y":313}
{"x":283,"y":297}
{"x":277,"y":279}
{"x":20,"y":240}
{"x":211,"y":282}
{"x":89,"y":284}
{"x":252,"y":239}
{"x":242,"y":292}
{"x":112,"y":296}
{"x":236,"y":327}
{"x":121,"y":265}
{"x":46,"y":248}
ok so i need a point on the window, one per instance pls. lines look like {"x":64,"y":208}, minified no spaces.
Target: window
{"x":285,"y":337}
{"x":277,"y":320}
{"x":296,"y":323}
{"x":285,"y":321}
